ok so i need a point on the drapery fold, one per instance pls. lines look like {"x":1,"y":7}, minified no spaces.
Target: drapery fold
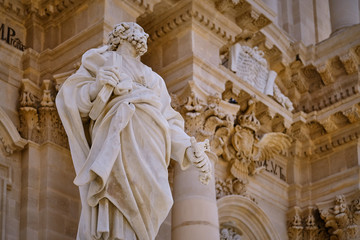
{"x":122,"y":170}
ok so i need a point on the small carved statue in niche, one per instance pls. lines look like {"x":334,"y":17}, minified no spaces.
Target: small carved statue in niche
{"x":121,"y":158}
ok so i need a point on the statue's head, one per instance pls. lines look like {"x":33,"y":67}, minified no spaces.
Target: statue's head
{"x":130,"y":32}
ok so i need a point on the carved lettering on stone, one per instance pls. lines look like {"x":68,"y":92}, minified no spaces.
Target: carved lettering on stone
{"x":250,"y":64}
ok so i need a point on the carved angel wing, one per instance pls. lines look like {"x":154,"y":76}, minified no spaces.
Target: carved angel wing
{"x":270,"y":145}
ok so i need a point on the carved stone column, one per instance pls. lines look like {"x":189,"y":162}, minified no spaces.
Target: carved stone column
{"x":194,"y":214}
{"x":343,"y":13}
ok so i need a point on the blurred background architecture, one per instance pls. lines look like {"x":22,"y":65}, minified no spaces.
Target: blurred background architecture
{"x":273,"y":84}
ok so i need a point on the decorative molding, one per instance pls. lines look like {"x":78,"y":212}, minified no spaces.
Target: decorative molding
{"x":242,"y":212}
{"x":252,"y":20}
{"x":9,"y":136}
{"x":184,"y":14}
{"x":51,"y":8}
{"x":248,"y":15}
{"x":14,"y":7}
{"x":225,"y":5}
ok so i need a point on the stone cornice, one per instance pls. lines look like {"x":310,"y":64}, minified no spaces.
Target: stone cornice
{"x":13,"y":7}
{"x":185,"y":12}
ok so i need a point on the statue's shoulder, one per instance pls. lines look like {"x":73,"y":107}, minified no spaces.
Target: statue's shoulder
{"x":93,"y":58}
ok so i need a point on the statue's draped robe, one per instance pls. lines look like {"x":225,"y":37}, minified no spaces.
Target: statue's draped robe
{"x":122,"y":169}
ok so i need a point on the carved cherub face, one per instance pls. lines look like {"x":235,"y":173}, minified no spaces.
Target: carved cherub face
{"x":130,"y":32}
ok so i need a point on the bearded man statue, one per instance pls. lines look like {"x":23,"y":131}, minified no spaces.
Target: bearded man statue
{"x":122,"y":134}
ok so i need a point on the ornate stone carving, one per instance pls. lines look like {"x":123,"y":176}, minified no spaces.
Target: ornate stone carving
{"x":352,"y":113}
{"x":312,"y":77}
{"x":306,"y":225}
{"x":299,"y":131}
{"x":9,"y":136}
{"x":252,"y":20}
{"x":250,"y":64}
{"x":325,"y":73}
{"x":216,"y":124}
{"x":29,"y":99}
{"x":225,"y":5}
{"x":311,"y":228}
{"x":39,"y":120}
{"x":282,"y":99}
{"x":186,"y":14}
{"x":250,"y":151}
{"x":229,"y":233}
{"x":231,"y":186}
{"x":349,"y":61}
{"x":329,"y":124}
{"x":342,"y":220}
{"x":295,"y":230}
{"x":49,"y":121}
{"x":300,"y":82}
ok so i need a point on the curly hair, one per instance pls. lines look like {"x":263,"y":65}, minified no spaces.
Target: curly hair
{"x":125,"y":31}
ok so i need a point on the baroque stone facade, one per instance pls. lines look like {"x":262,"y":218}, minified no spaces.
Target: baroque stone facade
{"x":284,"y":122}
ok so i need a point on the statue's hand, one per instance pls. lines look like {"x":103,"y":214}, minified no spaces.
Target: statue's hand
{"x":124,"y":86}
{"x":108,"y":75}
{"x":197,"y":156}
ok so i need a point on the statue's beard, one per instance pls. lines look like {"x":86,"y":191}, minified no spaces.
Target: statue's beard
{"x":140,"y":46}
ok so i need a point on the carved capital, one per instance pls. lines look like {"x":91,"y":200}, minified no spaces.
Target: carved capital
{"x":39,"y":120}
{"x":306,"y":224}
{"x":342,"y":220}
{"x":29,"y":99}
{"x":295,"y":229}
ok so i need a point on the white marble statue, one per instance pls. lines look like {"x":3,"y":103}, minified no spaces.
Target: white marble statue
{"x":122,"y":133}
{"x":250,"y":64}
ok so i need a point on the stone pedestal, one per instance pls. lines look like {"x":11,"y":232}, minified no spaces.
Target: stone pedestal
{"x":194,"y":214}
